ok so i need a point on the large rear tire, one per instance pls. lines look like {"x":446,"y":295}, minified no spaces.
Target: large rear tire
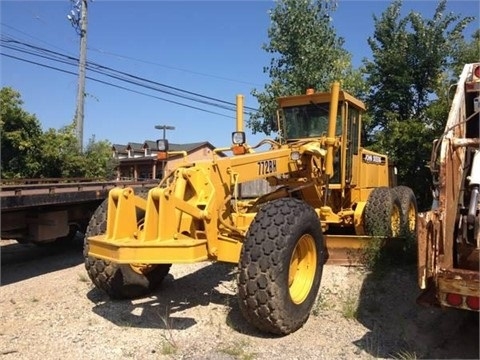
{"x":120,"y":281}
{"x":408,"y":203}
{"x":383,"y":214}
{"x":280,"y":267}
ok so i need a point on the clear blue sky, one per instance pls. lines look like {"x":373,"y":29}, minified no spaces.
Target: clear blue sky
{"x":211,"y":48}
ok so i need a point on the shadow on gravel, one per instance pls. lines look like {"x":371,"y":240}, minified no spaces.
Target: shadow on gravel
{"x":401,"y":329}
{"x":25,"y":261}
{"x":199,"y":288}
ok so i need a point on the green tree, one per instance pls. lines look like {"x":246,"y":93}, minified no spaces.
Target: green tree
{"x":466,"y":52}
{"x":28,"y":152}
{"x":61,"y":157}
{"x":411,"y":56}
{"x":438,"y":109}
{"x":306,"y":53}
{"x":20,"y":135}
{"x":99,"y":160}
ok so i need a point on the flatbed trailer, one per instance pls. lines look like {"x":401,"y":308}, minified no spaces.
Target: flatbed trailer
{"x":52,"y":210}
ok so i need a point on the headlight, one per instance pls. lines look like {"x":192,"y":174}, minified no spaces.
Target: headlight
{"x":238,"y":137}
{"x":295,"y":155}
{"x":162,"y":145}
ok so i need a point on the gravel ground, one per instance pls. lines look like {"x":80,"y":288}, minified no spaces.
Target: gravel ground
{"x":50,"y":310}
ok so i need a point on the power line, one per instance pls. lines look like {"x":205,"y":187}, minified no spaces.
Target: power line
{"x":185,"y":94}
{"x":109,"y":53}
{"x":115,"y":85}
{"x":172,"y":67}
{"x":31,"y":36}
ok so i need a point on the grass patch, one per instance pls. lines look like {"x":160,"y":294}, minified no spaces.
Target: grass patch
{"x":381,"y":254}
{"x":324,"y":302}
{"x":237,"y":350}
{"x":170,"y":347}
{"x":83,"y":278}
{"x":350,"y":307}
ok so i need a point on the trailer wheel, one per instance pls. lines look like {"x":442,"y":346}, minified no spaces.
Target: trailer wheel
{"x":280,"y":266}
{"x":119,"y":281}
{"x":382,"y":214}
{"x":408,"y":204}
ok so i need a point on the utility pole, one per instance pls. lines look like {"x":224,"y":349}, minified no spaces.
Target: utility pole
{"x":78,"y":18}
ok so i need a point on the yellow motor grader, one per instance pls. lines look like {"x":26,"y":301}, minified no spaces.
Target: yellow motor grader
{"x":329,"y":194}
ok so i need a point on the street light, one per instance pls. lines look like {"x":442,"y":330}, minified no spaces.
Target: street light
{"x":164,"y":128}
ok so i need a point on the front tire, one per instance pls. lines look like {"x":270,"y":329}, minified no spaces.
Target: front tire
{"x":280,"y":266}
{"x":120,"y":281}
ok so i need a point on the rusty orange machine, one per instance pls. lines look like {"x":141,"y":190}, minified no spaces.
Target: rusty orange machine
{"x":449,"y":234}
{"x":329,"y":195}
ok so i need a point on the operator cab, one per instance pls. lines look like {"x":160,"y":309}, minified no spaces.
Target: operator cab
{"x":307,"y":116}
{"x":307,"y":121}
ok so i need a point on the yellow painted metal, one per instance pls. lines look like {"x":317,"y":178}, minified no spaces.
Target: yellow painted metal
{"x":122,"y":218}
{"x":229,"y":250}
{"x":323,"y":97}
{"x":331,"y":141}
{"x":239,"y":112}
{"x":193,"y":215}
{"x":128,"y":251}
{"x":327,"y":215}
{"x":358,"y":218}
{"x":303,"y":266}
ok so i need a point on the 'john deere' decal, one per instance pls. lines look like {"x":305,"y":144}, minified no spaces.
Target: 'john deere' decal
{"x":374,"y":159}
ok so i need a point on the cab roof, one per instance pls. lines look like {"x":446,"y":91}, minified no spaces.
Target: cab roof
{"x":320,"y":97}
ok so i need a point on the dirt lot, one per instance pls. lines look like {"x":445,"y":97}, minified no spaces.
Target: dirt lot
{"x":50,"y":310}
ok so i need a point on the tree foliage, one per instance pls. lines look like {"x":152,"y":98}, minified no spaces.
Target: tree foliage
{"x":99,"y":161}
{"x":20,"y":136}
{"x":412,"y":57}
{"x":306,"y":53}
{"x":28,"y":152}
{"x":60,"y":154}
{"x":466,"y":52}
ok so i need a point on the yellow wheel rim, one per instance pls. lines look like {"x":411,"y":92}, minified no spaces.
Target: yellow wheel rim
{"x":411,"y":218}
{"x":396,"y":221}
{"x":303,"y":265}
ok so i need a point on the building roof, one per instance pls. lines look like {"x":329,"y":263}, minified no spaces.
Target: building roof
{"x":189,"y":147}
{"x":152,"y":145}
